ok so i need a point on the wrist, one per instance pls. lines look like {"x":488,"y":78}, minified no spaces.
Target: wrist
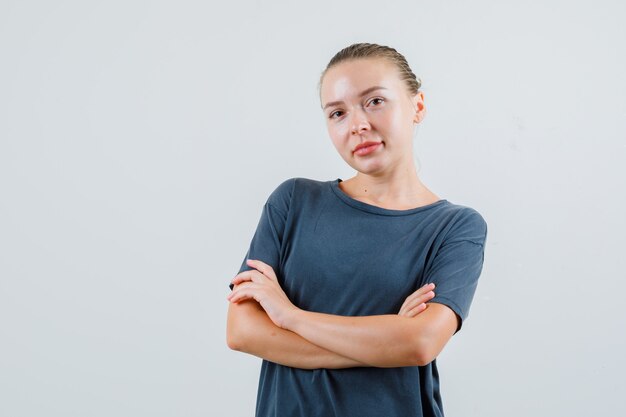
{"x":292,"y":319}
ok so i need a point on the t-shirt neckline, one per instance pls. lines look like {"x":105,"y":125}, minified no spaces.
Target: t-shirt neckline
{"x":334,"y":185}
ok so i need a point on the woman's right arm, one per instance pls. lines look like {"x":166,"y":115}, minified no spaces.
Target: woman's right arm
{"x":250,"y":330}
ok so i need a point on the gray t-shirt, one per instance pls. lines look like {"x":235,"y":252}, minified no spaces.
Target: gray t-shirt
{"x":337,"y":255}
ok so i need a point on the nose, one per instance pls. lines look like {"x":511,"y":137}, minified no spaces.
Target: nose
{"x":359,"y":122}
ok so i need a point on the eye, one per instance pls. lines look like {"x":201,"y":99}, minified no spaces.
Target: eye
{"x":330,"y":116}
{"x":377,"y":98}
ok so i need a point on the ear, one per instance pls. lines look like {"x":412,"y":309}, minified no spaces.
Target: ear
{"x":418,"y":105}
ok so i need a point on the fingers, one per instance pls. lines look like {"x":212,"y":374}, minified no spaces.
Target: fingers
{"x":243,"y":292}
{"x":252,"y":275}
{"x":264,"y":268}
{"x":426,"y":288}
{"x":417,"y":299}
{"x":415,"y":310}
{"x":261,"y":271}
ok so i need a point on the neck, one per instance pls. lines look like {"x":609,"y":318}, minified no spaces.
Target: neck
{"x":399,"y":188}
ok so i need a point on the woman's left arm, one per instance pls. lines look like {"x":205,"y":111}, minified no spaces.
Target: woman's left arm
{"x":382,"y":340}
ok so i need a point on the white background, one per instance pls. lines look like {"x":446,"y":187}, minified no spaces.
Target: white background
{"x":140,"y":139}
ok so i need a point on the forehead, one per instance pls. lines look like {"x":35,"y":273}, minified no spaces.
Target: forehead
{"x":348,"y":79}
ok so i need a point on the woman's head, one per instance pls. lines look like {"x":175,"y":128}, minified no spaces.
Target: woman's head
{"x":368,"y":93}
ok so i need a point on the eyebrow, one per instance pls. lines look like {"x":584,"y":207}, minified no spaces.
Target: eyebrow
{"x":364,"y":92}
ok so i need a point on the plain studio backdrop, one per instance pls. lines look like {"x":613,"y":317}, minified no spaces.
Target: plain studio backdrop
{"x":140,"y":139}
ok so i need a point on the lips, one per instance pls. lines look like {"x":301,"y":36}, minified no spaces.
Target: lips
{"x":365,"y":145}
{"x":366,"y":148}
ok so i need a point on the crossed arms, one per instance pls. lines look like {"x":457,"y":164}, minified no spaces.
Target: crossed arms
{"x":262,"y":322}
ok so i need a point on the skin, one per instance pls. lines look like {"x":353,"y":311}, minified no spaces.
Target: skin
{"x":386,"y":177}
{"x":251,"y":330}
{"x":267,"y":324}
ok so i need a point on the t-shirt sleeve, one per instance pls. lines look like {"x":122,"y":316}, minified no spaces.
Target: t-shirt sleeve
{"x":457,"y":264}
{"x":267,"y":240}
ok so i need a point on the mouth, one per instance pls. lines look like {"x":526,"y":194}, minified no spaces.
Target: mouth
{"x":366,"y":148}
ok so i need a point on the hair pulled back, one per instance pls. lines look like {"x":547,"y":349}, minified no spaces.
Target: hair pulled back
{"x":372,"y":50}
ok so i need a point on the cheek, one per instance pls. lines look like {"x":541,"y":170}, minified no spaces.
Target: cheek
{"x":337,"y":133}
{"x":392,"y":116}
{"x":396,"y":120}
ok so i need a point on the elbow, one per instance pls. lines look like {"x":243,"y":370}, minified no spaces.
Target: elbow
{"x":237,"y":336}
{"x":423,"y":353}
{"x":237,"y":330}
{"x":240,"y":324}
{"x":233,"y":341}
{"x":423,"y":359}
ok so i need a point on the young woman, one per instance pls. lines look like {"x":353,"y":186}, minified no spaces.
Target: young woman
{"x":351,"y":289}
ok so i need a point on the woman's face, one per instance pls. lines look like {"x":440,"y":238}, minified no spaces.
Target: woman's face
{"x":364,"y":100}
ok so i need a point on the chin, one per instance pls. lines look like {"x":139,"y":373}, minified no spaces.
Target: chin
{"x":371,"y":166}
{"x":370,"y":169}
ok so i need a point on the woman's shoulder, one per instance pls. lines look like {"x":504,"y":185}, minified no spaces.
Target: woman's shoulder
{"x":294,"y":187}
{"x":288,"y":186}
{"x":465,"y":221}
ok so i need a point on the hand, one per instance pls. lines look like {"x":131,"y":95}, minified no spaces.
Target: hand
{"x":416,"y":302}
{"x":262,"y":285}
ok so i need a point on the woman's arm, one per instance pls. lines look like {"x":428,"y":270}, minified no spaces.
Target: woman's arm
{"x":382,"y":340}
{"x":250,"y":330}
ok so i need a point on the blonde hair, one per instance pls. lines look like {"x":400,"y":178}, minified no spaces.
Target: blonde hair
{"x":372,"y":50}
